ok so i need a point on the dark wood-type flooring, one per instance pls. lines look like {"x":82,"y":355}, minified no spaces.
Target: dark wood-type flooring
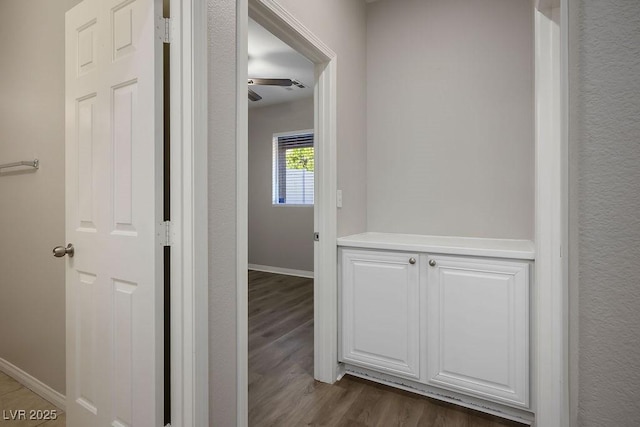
{"x":283,"y":393}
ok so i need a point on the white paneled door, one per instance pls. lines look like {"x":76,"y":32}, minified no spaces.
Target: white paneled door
{"x":113,"y":214}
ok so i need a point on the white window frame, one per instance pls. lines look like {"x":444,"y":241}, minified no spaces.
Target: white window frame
{"x":275,"y":165}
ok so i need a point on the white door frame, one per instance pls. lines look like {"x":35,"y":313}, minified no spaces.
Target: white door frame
{"x":550,"y":294}
{"x":286,"y":27}
{"x":189,"y":213}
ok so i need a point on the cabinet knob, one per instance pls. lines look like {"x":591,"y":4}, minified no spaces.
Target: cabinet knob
{"x":432,"y":262}
{"x":412,"y":260}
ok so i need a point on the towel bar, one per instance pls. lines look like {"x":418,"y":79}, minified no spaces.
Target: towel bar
{"x":32,"y":163}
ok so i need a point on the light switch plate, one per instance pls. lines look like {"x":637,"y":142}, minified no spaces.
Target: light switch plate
{"x":339,"y":198}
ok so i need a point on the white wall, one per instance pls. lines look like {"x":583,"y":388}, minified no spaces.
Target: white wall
{"x":450,"y":136}
{"x":32,"y":299}
{"x":279,"y":236}
{"x":222,"y":212}
{"x":341,"y":25}
{"x":605,"y":211}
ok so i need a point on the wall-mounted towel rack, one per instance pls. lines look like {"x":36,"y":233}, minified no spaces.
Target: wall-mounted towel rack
{"x":31,"y":163}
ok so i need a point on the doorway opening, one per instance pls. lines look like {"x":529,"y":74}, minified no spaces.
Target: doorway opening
{"x":323,"y":235}
{"x":281,"y":204}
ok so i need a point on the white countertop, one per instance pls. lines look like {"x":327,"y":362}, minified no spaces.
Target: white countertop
{"x":498,"y":248}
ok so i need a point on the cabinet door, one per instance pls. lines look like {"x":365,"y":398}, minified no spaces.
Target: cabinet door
{"x":478,"y":327}
{"x":380,"y":311}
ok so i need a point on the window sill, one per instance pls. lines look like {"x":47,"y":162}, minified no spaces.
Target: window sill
{"x":285,"y":205}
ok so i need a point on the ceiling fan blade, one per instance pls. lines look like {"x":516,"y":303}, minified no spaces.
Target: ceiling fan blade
{"x":271,"y":82}
{"x":254,"y":96}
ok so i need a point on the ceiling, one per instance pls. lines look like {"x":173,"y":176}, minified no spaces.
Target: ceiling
{"x":269,"y":57}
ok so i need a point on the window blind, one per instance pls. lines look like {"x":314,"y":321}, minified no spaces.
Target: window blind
{"x":293,"y":169}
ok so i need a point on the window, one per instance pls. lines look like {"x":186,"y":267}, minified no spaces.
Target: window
{"x":293,"y":168}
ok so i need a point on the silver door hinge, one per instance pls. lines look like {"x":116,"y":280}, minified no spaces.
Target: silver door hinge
{"x":316,"y":236}
{"x":164,"y":29}
{"x":165,"y":238}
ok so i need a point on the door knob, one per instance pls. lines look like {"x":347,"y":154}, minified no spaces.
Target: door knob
{"x":412,"y":260}
{"x":432,"y":262}
{"x":60,"y":251}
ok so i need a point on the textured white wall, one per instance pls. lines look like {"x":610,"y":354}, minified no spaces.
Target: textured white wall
{"x":32,"y":301}
{"x":222,"y":212}
{"x":605,"y":211}
{"x":450,"y":136}
{"x":279,"y":236}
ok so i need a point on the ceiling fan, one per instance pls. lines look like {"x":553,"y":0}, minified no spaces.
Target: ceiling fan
{"x":253,"y":96}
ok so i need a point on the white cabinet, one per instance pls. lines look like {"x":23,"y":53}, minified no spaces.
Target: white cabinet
{"x":478,"y":327}
{"x":380,"y":311}
{"x":446,"y":316}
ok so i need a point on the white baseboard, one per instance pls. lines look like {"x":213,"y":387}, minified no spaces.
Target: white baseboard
{"x":280,"y":270}
{"x":55,"y":398}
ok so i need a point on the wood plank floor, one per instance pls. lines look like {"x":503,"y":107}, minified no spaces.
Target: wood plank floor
{"x":283,"y":393}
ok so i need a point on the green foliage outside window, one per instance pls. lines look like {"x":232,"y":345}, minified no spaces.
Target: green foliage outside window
{"x":300,"y":158}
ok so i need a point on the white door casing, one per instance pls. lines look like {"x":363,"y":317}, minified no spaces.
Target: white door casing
{"x":478,"y":327}
{"x":113,"y":213}
{"x":277,"y":20}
